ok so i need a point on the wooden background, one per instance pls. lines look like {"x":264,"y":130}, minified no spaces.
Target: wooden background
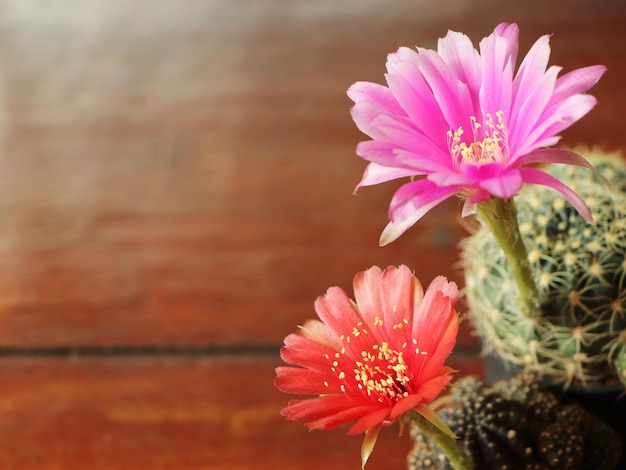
{"x":176,"y":189}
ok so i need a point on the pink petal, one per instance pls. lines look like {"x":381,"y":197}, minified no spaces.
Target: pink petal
{"x":561,"y":117}
{"x":410,"y":203}
{"x":457,"y":50}
{"x":406,"y":136}
{"x":369,"y":116}
{"x":560,"y":156}
{"x":531,"y":70}
{"x":498,"y":53}
{"x":469,"y":206}
{"x":505,"y":185}
{"x":577,"y":81}
{"x":375,"y":174}
{"x":535,"y":176}
{"x":453,"y":96}
{"x":415,"y":197}
{"x":393,"y":230}
{"x":376,"y":94}
{"x":468,"y":174}
{"x":554,"y":155}
{"x":420,"y":158}
{"x":424,"y":164}
{"x":544,"y":141}
{"x":458,"y":177}
{"x":528,"y":111}
{"x":407,"y":83}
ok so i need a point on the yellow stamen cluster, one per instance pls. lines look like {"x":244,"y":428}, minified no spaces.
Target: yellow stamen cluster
{"x":382,"y":372}
{"x":489,"y":148}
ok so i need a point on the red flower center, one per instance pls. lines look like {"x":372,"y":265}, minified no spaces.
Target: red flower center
{"x":381,"y":373}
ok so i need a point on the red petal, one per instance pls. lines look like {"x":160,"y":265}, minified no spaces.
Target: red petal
{"x":301,"y":351}
{"x":367,"y":294}
{"x":337,"y":311}
{"x":342,"y":417}
{"x":431,"y":321}
{"x":433,"y":387}
{"x":405,"y":405}
{"x":315,"y":408}
{"x":321,"y":333}
{"x":370,"y":420}
{"x":397,"y":287}
{"x":304,"y":381}
{"x":443,"y":348}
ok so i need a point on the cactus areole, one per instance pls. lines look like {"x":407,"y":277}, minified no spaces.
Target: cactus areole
{"x":516,"y":424}
{"x":578,"y":334}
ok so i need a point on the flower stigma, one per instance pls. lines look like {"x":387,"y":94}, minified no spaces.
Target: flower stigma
{"x":488,"y":141}
{"x":381,"y":373}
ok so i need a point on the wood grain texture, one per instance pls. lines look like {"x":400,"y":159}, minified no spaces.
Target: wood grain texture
{"x":181,"y":172}
{"x":167,"y":413}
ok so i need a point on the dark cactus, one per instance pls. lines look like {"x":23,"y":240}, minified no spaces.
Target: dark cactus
{"x":518,"y":425}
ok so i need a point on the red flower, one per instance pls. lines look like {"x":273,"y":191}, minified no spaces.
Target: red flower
{"x":375,"y":359}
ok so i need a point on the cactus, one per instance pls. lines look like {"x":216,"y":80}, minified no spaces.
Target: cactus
{"x":517,"y":424}
{"x":580,"y":272}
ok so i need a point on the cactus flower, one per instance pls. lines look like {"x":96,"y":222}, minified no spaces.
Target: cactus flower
{"x":375,"y":359}
{"x":461,"y":121}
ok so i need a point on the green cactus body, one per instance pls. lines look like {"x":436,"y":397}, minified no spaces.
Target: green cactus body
{"x":517,"y":425}
{"x":579,"y":269}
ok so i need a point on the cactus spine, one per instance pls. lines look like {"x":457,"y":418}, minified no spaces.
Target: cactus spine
{"x":517,"y":425}
{"x":579,"y":269}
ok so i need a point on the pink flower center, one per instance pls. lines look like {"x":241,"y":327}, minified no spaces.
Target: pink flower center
{"x":488,"y":142}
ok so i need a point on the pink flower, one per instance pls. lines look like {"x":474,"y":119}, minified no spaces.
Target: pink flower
{"x":464,"y":123}
{"x":375,"y":359}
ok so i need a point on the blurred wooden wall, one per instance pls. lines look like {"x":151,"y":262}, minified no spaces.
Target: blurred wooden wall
{"x":176,"y":186}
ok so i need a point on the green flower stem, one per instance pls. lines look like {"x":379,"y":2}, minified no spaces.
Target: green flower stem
{"x":457,"y":456}
{"x":500,"y":216}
